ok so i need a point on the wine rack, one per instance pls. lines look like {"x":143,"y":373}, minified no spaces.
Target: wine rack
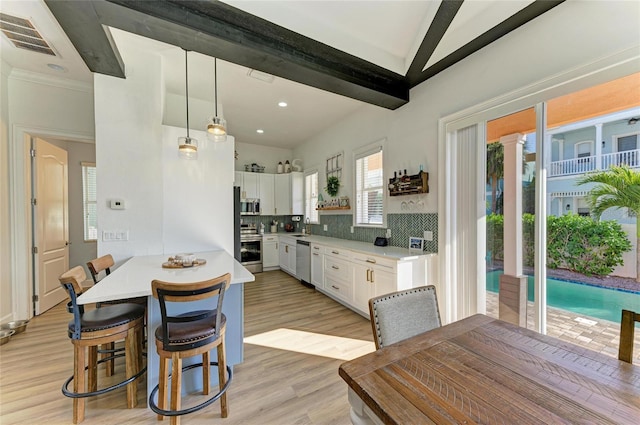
{"x":409,"y":184}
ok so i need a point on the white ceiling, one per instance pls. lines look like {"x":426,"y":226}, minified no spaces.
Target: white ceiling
{"x":387,"y":33}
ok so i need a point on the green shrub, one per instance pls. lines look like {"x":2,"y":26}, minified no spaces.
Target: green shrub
{"x":575,"y":243}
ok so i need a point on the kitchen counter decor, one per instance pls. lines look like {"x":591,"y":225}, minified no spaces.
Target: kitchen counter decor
{"x":182,"y":261}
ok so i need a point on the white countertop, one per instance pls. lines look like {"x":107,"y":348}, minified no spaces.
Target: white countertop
{"x":391,"y":252}
{"x":133,"y":278}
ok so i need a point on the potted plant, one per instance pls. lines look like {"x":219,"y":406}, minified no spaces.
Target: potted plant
{"x":333,"y":185}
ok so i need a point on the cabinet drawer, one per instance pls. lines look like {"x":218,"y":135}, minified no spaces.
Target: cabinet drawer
{"x":338,"y":253}
{"x":337,"y":269}
{"x":338,"y":288}
{"x":383,"y":264}
{"x":266,"y":238}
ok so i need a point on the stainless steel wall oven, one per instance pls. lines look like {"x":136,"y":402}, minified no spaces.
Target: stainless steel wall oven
{"x":250,"y":248}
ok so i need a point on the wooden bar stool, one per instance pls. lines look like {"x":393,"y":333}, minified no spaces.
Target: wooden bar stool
{"x":92,"y":328}
{"x":97,"y":266}
{"x":187,"y":335}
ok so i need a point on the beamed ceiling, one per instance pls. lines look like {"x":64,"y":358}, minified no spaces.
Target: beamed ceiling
{"x":233,"y":34}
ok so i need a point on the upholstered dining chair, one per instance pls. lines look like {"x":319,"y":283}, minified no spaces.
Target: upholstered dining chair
{"x":627,"y":331}
{"x":97,"y":266}
{"x":403,"y":314}
{"x":186,"y":335}
{"x":91,"y":328}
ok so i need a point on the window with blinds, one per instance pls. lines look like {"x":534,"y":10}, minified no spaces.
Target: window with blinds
{"x":311,"y":197}
{"x":369,"y":187}
{"x":89,"y":201}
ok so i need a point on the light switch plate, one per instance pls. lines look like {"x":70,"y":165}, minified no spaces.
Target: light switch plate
{"x":351,"y":228}
{"x":325,"y":227}
{"x":388,"y":233}
{"x":428,"y":235}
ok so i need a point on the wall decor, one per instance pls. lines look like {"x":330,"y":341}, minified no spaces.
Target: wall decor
{"x":416,"y":244}
{"x":334,"y":165}
{"x":333,"y":185}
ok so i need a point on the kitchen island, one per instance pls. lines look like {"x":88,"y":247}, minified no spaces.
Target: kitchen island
{"x":133,"y":279}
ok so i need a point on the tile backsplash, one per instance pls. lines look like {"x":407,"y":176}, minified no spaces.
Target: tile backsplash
{"x":402,"y":227}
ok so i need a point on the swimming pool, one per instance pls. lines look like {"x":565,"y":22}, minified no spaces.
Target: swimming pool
{"x":588,"y":300}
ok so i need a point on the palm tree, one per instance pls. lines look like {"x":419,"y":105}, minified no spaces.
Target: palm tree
{"x":495,"y":170}
{"x":617,"y":187}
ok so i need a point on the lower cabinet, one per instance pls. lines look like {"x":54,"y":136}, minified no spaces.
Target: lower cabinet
{"x":317,"y":266}
{"x":338,"y":278}
{"x":371,"y":280}
{"x":287,"y":255}
{"x":270,"y":253}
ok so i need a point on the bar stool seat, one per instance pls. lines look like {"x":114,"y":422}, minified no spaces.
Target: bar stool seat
{"x":186,"y":335}
{"x":92,"y":328}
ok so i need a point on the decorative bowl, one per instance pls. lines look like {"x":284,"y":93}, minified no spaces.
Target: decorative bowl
{"x":18,"y":326}
{"x":5,"y":336}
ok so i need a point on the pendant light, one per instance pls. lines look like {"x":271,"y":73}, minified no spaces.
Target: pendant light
{"x":217,"y":127}
{"x":187,"y":146}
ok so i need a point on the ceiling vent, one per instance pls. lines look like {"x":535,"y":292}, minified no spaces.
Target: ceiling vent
{"x":23,"y":35}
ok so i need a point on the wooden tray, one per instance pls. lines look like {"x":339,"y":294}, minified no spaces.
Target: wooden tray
{"x":197,"y":262}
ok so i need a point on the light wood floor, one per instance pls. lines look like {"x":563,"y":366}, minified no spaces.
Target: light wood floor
{"x":272,"y":386}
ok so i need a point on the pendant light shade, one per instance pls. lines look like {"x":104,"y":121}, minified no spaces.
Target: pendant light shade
{"x":217,"y":126}
{"x":187,"y":146}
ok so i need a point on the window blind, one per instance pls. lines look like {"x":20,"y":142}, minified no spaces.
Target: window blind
{"x":311,"y":197}
{"x":369,"y":187}
{"x":89,"y":201}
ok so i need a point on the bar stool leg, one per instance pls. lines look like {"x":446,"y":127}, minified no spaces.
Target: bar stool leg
{"x":163,"y":385}
{"x":92,"y":361}
{"x":176,"y":386}
{"x":206,"y":373}
{"x":131,"y":362}
{"x":222,"y":378}
{"x":78,"y":382}
{"x":109,"y":366}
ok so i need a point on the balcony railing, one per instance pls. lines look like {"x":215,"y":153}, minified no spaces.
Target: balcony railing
{"x":585,"y":164}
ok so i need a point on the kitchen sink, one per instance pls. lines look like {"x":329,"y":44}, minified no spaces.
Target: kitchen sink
{"x":299,"y":235}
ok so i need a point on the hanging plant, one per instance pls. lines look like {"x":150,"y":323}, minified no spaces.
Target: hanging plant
{"x":333,"y":185}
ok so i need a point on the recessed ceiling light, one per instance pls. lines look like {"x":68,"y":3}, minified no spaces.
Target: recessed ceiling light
{"x":282,"y":104}
{"x":259,"y":131}
{"x":56,"y":67}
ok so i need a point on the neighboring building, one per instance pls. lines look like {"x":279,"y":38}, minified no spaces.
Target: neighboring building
{"x":590,"y":145}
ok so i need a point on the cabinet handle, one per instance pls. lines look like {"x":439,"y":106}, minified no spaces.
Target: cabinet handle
{"x":335,"y":252}
{"x":368,"y":271}
{"x":371,"y":261}
{"x":316,"y":248}
{"x":335,"y":287}
{"x":286,"y":248}
{"x":315,"y":253}
{"x":335,"y":267}
{"x":276,"y":245}
{"x":371,"y":276}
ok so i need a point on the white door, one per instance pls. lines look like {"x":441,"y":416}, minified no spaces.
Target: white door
{"x":51,"y":224}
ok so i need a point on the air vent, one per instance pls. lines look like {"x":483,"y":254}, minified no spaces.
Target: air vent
{"x":23,"y":35}
{"x":262,"y":76}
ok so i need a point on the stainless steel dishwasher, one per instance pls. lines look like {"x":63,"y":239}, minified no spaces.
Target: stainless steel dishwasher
{"x":303,"y":262}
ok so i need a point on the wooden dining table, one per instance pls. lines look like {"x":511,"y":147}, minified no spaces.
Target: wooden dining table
{"x":481,"y":370}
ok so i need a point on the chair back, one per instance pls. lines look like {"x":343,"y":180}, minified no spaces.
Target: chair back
{"x":627,"y":330}
{"x":99,"y":264}
{"x":167,"y":292}
{"x":71,"y":281}
{"x":403,"y":314}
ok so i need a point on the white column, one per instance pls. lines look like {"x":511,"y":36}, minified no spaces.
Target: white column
{"x":513,"y":146}
{"x":598,"y":143}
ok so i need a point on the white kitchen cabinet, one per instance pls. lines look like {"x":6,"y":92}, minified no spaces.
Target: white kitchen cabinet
{"x":270,"y":253}
{"x":370,"y":280}
{"x":267,"y":194}
{"x":287,"y":255}
{"x":289,"y":196}
{"x":338,"y":275}
{"x":249,"y":186}
{"x":317,"y":266}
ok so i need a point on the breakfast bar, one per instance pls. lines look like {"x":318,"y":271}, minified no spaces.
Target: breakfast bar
{"x":133,"y":279}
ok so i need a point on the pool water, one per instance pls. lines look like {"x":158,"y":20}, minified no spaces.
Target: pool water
{"x":587,"y":300}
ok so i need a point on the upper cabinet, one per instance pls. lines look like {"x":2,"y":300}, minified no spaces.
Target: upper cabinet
{"x":267,"y":194}
{"x":249,"y":185}
{"x":289,"y":198}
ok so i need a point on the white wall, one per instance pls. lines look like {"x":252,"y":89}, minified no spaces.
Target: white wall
{"x":628,"y":268}
{"x":171,"y":205}
{"x":5,"y":230}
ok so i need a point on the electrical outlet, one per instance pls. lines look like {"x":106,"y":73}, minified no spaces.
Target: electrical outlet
{"x":428,"y":235}
{"x":325,"y":227}
{"x":388,"y":233}
{"x":351,"y":229}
